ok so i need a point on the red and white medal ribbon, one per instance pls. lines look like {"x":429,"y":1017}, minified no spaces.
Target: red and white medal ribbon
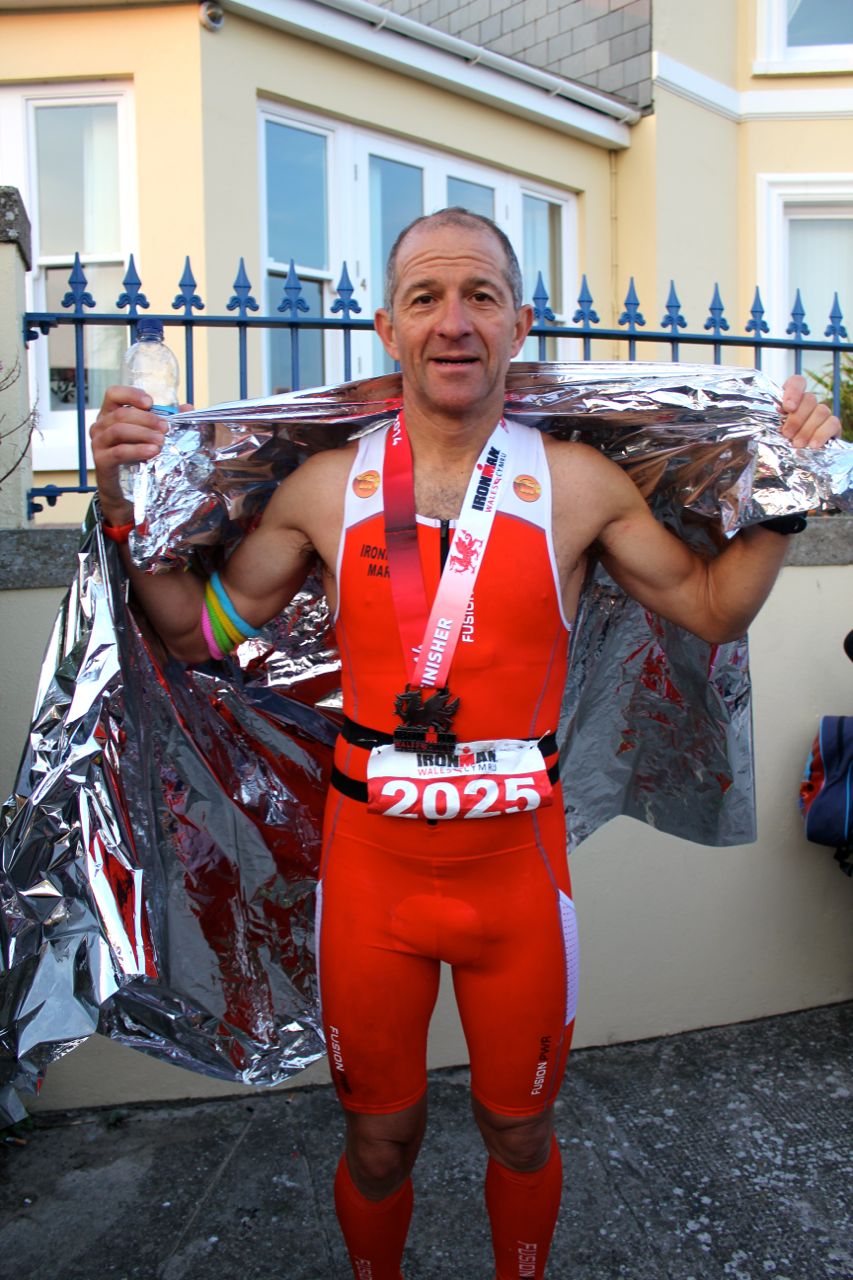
{"x":429,"y":642}
{"x":476,"y":779}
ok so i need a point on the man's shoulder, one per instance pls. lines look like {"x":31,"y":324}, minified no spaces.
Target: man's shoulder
{"x":572,"y":459}
{"x":327,"y":467}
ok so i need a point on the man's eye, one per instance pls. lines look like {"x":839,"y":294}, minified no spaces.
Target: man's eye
{"x":421,"y":299}
{"x":481,"y":296}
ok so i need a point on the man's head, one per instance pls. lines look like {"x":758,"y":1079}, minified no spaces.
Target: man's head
{"x":455,"y":319}
{"x":464,"y":219}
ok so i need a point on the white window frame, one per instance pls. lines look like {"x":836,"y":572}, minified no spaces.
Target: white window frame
{"x":774,"y":56}
{"x":327,"y":279}
{"x":54,"y":445}
{"x":778,"y":195}
{"x":348,"y":150}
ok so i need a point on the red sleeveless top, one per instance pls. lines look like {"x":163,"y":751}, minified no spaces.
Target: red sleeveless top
{"x":509,"y":668}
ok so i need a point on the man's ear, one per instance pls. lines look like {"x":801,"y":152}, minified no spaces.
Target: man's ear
{"x":523,"y":325}
{"x":385,"y":329}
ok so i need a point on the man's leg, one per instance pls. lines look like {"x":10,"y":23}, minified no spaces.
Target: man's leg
{"x":517,"y":991}
{"x":524,"y":1182}
{"x":373,"y":1188}
{"x":378,"y":992}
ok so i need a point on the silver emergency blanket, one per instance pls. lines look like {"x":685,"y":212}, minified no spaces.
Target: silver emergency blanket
{"x":159,"y":853}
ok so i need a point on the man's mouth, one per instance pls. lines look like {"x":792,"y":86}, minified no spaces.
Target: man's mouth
{"x":450,"y":361}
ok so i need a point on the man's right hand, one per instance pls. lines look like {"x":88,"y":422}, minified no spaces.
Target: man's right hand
{"x":125,"y":431}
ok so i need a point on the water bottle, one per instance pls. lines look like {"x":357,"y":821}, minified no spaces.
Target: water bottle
{"x":149,"y":364}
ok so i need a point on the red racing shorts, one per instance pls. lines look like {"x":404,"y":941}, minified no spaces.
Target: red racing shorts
{"x":491,"y":898}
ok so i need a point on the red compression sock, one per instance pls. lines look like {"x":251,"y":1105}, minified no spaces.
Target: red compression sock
{"x":374,"y":1230}
{"x":523,"y":1211}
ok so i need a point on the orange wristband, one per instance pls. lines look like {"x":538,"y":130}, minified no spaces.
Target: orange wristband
{"x":118,"y":532}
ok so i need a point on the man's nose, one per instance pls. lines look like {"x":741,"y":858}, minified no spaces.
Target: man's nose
{"x":453,"y":320}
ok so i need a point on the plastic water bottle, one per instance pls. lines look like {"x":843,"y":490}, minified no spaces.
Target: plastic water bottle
{"x":150,"y":365}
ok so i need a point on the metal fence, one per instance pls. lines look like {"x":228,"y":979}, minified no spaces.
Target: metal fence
{"x":293,"y":314}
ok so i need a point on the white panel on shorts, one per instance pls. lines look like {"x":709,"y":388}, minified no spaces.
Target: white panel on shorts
{"x":569,"y":922}
{"x":318,"y":922}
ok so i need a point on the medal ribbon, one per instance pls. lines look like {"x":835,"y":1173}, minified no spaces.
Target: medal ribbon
{"x":437,"y":634}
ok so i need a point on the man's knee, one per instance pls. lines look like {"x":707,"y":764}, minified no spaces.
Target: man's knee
{"x":522,"y":1143}
{"x":381,"y":1150}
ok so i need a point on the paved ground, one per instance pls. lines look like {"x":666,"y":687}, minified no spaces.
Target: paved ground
{"x":716,"y":1154}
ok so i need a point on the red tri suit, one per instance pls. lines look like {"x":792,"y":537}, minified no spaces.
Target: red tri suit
{"x":489,"y":896}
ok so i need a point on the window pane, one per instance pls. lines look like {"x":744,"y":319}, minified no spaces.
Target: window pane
{"x":396,"y":197}
{"x":103,"y":345}
{"x":820,"y":22}
{"x":296,"y":196}
{"x":542,"y":252}
{"x":821,"y":265}
{"x":311,"y":366}
{"x":473,"y":196}
{"x":77,"y":160}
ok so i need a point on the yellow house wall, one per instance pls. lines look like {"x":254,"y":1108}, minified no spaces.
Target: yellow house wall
{"x":697,"y":220}
{"x":699,"y":33}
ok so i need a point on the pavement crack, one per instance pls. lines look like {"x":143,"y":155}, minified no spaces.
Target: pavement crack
{"x":203,"y":1199}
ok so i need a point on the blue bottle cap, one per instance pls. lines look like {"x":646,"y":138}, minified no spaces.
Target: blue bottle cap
{"x":149,"y":328}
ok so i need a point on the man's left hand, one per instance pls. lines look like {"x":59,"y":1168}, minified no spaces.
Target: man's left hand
{"x":808,"y":424}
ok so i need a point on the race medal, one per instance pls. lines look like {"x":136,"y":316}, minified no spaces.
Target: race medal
{"x":475,"y":780}
{"x":427,"y":715}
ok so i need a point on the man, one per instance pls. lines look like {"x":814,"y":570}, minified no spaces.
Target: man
{"x":477,"y":876}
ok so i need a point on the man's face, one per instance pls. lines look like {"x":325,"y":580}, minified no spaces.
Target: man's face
{"x":453,"y":327}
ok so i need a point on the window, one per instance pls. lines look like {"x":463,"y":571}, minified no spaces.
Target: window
{"x":804,"y":36}
{"x":820,"y":264}
{"x":335,"y":193}
{"x":542,"y":253}
{"x":70,"y":154}
{"x":297,"y":229}
{"x":818,"y":22}
{"x":805,"y":242}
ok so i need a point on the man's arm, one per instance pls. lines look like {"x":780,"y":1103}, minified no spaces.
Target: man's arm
{"x":717,"y":599}
{"x":262,"y":575}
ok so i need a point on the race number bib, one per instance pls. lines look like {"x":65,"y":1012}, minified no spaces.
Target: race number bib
{"x":478,"y":780}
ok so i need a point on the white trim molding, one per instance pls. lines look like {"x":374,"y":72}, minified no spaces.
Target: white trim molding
{"x":378,"y":35}
{"x":753,"y":104}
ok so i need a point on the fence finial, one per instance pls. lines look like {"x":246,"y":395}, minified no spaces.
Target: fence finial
{"x":541,"y":310}
{"x":757,"y":324}
{"x":673,"y":319}
{"x":798,"y":327}
{"x":585,"y":314}
{"x":632,"y":316}
{"x":344,"y":301}
{"x":293,"y":300}
{"x":187,"y":298}
{"x":241,"y":300}
{"x":78,"y":296}
{"x":133,"y":297}
{"x":835,"y":329}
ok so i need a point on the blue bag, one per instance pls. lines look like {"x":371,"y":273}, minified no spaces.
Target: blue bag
{"x":826,"y":792}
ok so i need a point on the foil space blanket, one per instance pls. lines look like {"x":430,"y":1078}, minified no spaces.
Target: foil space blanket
{"x":160,"y":850}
